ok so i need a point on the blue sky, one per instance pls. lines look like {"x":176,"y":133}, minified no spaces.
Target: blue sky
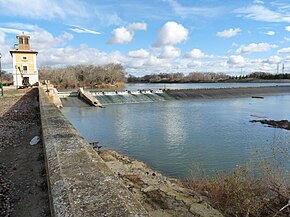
{"x":152,"y":36}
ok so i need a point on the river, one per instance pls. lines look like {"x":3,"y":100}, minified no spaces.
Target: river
{"x":176,"y":136}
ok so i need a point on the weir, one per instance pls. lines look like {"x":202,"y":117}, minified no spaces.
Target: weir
{"x":132,"y":97}
{"x":141,"y":96}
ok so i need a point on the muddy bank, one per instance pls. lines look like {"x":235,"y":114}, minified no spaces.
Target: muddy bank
{"x":23,"y":189}
{"x":216,"y":93}
{"x":283,"y":124}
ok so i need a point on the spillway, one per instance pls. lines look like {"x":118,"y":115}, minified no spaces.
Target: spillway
{"x":73,"y":101}
{"x":123,"y":98}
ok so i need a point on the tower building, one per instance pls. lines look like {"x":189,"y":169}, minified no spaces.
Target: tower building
{"x":25,"y":71}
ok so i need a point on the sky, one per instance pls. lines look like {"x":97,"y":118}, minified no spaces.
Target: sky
{"x":152,"y":36}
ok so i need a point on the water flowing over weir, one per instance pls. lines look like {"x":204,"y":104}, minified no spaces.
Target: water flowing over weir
{"x":131,"y":97}
{"x":73,"y":101}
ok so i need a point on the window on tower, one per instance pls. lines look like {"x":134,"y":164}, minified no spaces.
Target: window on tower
{"x":24,"y":69}
{"x":20,"y":40}
{"x":26,"y":41}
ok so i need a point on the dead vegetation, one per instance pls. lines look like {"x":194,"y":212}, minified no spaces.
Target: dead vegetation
{"x":260,"y":189}
{"x":85,"y":76}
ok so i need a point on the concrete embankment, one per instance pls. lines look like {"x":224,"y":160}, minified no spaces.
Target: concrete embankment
{"x":215,"y":93}
{"x":85,"y":182}
{"x":80,"y":183}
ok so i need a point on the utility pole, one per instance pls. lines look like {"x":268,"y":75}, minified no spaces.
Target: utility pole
{"x":1,"y":81}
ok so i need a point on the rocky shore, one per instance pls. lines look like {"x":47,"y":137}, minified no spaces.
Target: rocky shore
{"x":23,"y":188}
{"x":161,"y":196}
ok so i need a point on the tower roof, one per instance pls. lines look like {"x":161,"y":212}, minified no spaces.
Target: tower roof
{"x":23,"y":45}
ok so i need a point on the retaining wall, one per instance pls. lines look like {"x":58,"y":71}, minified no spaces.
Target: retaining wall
{"x":80,"y":183}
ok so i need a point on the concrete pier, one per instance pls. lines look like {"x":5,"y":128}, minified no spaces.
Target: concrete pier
{"x":89,"y":98}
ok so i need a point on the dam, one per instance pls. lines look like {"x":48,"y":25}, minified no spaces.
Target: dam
{"x":148,"y":95}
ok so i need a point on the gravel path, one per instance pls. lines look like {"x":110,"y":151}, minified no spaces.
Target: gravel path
{"x":23,"y":188}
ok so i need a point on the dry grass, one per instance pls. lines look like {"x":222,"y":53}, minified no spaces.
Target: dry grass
{"x":256,"y":190}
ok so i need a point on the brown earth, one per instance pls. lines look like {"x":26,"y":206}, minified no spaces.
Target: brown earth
{"x":23,"y":188}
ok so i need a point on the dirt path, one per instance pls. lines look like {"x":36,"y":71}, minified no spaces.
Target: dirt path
{"x":23,"y":188}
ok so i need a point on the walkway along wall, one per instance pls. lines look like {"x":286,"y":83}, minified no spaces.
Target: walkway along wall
{"x":80,"y":183}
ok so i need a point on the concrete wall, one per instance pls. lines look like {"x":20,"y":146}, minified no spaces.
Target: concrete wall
{"x":80,"y":183}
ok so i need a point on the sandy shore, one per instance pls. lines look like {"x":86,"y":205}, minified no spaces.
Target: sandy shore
{"x":23,"y":188}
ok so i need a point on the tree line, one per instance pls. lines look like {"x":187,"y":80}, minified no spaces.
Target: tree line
{"x":7,"y":78}
{"x":179,"y":77}
{"x":84,"y":75}
{"x":196,"y":77}
{"x":262,"y":75}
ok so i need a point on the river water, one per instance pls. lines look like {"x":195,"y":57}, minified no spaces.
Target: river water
{"x":174,"y":136}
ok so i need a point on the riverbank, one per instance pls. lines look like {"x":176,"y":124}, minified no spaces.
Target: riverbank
{"x":160,"y":195}
{"x":23,"y":188}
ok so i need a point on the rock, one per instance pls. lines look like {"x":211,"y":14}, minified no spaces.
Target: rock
{"x":149,"y":188}
{"x":204,"y":211}
{"x":35,"y":140}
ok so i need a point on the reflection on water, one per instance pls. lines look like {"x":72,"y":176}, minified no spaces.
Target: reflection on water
{"x":170,"y":136}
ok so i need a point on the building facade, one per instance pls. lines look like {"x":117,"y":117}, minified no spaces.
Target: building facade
{"x":25,"y":71}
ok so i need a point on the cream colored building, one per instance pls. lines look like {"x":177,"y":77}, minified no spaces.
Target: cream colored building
{"x":25,"y":71}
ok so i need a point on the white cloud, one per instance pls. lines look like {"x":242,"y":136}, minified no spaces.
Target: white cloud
{"x":183,"y":11}
{"x":194,"y":64}
{"x":170,"y":34}
{"x":236,"y":60}
{"x":253,"y":47}
{"x":261,"y":13}
{"x":258,"y":2}
{"x":274,"y":60}
{"x":138,"y":53}
{"x":121,"y":36}
{"x":170,"y":52}
{"x":124,"y":35}
{"x":287,"y":28}
{"x":284,"y":50}
{"x":12,"y":31}
{"x":287,"y":59}
{"x":197,"y":54}
{"x":79,"y":29}
{"x":228,"y":33}
{"x":40,"y":38}
{"x":2,"y":37}
{"x":154,"y":61}
{"x":270,"y":33}
{"x":137,"y":26}
{"x":47,"y":10}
